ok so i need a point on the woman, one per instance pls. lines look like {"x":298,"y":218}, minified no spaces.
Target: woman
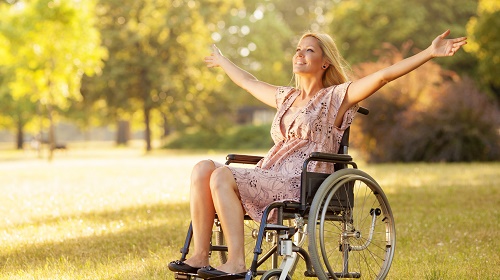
{"x":310,"y":117}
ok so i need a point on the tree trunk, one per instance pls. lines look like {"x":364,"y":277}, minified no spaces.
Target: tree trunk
{"x":166,"y":128}
{"x":20,"y":135}
{"x":52,"y":133}
{"x":147,"y":132}
{"x":123,"y":133}
{"x":144,"y":86}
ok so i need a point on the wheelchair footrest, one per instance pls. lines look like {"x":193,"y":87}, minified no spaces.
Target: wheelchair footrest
{"x":227,"y":277}
{"x":185,"y":276}
{"x":277,"y":227}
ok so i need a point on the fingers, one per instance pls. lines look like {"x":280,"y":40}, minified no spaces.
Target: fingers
{"x":456,"y":46}
{"x":461,"y":40}
{"x":458,"y":43}
{"x":445,"y":34}
{"x":211,"y":60}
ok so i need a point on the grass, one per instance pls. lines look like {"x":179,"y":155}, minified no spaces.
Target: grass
{"x":118,"y":214}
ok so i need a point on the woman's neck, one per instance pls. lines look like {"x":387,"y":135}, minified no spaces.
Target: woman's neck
{"x":310,"y":87}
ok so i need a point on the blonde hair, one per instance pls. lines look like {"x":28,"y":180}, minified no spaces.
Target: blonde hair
{"x":336,"y":73}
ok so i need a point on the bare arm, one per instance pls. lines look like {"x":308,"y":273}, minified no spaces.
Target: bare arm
{"x":260,"y":90}
{"x":366,"y":86}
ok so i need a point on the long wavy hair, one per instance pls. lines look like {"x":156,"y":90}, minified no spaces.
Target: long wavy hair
{"x":336,"y":73}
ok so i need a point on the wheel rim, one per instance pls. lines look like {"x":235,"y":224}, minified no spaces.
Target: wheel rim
{"x":274,"y":274}
{"x":340,"y":244}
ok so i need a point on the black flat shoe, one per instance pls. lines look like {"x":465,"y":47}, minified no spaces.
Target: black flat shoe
{"x":209,"y":272}
{"x":180,"y":266}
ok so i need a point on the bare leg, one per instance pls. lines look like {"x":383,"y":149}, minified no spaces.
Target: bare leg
{"x":227,"y":203}
{"x":202,"y":212}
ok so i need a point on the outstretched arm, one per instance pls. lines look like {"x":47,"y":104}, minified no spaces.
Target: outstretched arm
{"x":260,"y":90}
{"x":364,"y":87}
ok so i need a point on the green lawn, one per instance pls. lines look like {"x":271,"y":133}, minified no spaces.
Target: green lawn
{"x":118,"y":214}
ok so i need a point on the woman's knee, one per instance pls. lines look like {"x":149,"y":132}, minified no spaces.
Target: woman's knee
{"x":202,"y":171}
{"x":222,"y":180}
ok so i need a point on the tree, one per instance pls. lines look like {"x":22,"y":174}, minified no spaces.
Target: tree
{"x":257,"y":38}
{"x":52,"y":45}
{"x":484,"y":43}
{"x":155,"y":59}
{"x":360,"y":27}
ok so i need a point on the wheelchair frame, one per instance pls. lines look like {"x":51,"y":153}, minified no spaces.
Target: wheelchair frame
{"x":329,"y":198}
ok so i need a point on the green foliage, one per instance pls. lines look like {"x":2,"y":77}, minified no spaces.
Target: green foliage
{"x":49,"y":46}
{"x":485,"y":43}
{"x":156,"y":62}
{"x":248,"y":137}
{"x":361,"y":27}
{"x":152,"y":53}
{"x":237,"y":138}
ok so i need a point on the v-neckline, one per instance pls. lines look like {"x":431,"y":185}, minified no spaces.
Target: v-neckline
{"x":300,"y":108}
{"x":289,"y":104}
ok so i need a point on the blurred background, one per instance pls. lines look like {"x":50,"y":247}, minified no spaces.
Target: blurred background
{"x":84,"y":71}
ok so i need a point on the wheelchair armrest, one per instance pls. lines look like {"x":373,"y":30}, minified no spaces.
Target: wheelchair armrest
{"x":245,"y":159}
{"x":326,"y":157}
{"x":317,"y":156}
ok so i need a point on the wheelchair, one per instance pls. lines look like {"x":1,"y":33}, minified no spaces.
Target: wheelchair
{"x":344,"y":218}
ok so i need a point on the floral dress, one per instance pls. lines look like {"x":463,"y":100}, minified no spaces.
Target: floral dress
{"x":296,"y":134}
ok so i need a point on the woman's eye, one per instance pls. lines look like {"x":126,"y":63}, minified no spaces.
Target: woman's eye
{"x":310,"y":50}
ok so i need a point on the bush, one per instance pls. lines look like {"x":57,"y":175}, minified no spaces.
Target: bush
{"x":237,"y":138}
{"x":193,"y":139}
{"x":248,"y":137}
{"x":461,"y":125}
{"x":427,"y":115}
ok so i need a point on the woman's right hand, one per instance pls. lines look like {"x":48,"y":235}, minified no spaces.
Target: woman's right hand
{"x":262,"y":91}
{"x":214,"y":59}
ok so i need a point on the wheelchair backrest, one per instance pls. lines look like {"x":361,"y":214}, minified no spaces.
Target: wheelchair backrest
{"x":312,"y":180}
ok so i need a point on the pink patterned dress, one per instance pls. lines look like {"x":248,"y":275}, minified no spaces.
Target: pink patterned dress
{"x":296,"y":134}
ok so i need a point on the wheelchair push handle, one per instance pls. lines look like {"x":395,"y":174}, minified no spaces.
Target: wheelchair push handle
{"x":363,"y":110}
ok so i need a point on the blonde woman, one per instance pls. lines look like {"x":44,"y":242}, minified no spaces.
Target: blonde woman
{"x":311,"y":117}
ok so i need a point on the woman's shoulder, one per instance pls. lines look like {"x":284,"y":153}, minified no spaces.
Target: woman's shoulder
{"x":283,"y":93}
{"x":339,"y":88}
{"x":285,"y":89}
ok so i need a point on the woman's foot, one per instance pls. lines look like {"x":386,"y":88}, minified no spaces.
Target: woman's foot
{"x":210,"y":272}
{"x":232,"y":268}
{"x":180,"y":266}
{"x":190,"y":265}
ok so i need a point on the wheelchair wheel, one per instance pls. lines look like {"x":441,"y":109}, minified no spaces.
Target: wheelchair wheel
{"x":274,"y":274}
{"x":351,"y":228}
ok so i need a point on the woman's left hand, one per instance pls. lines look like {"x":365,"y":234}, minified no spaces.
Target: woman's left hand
{"x":446,"y":47}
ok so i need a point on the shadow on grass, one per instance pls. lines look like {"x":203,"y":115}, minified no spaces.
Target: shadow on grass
{"x":161,"y":230}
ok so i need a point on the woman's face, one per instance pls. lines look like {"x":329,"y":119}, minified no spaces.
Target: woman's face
{"x":308,"y":58}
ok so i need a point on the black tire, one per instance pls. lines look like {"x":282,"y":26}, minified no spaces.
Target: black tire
{"x":273,"y":274}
